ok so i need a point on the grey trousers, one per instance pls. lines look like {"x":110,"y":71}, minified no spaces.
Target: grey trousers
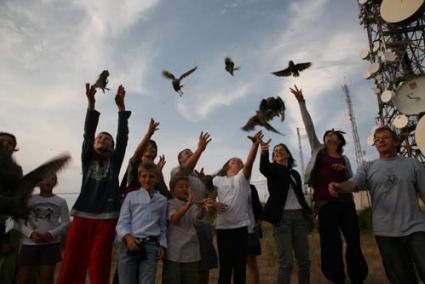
{"x":291,"y":236}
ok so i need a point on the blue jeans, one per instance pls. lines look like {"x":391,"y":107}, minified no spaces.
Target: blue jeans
{"x":400,"y":253}
{"x":291,"y":234}
{"x":133,"y":269}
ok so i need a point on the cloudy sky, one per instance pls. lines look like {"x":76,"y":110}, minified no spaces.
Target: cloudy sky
{"x":50,"y":48}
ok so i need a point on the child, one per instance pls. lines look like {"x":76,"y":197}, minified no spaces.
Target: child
{"x":142,"y":227}
{"x":232,"y":183}
{"x":48,"y":220}
{"x":90,"y":237}
{"x":183,"y":253}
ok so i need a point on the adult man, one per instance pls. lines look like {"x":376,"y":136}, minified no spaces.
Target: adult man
{"x":398,"y":222}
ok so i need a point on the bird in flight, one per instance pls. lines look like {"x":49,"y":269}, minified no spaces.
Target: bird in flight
{"x":102,"y":81}
{"x":176,"y":81}
{"x":269,"y":108}
{"x":230,"y":65}
{"x":292,"y":69}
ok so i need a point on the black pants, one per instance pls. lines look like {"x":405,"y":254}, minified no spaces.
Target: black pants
{"x":399,"y":254}
{"x":232,"y":253}
{"x":334,"y":217}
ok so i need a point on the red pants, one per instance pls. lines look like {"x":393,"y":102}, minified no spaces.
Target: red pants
{"x":88,"y":245}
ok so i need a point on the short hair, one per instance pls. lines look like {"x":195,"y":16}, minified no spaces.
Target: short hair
{"x":291,"y":160}
{"x":175,"y":179}
{"x":394,"y":135}
{"x":149,"y":167}
{"x":341,"y":138}
{"x":13,"y":138}
{"x":109,"y":134}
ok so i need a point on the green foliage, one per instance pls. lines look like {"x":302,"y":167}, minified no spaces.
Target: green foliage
{"x":365,"y":220}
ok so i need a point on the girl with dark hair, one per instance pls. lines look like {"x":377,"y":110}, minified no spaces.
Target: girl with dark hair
{"x":146,"y":151}
{"x":233,"y":190}
{"x":288,"y":211}
{"x":336,"y":214}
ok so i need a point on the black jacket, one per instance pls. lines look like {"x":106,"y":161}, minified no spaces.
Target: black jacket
{"x":278,"y":180}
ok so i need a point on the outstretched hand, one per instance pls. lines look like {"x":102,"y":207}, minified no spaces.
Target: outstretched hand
{"x":90,"y":92}
{"x":161,"y":162}
{"x":204,"y":139}
{"x":119,"y":98}
{"x":257,"y":138}
{"x":265,"y":145}
{"x":153,"y":126}
{"x":298,"y":93}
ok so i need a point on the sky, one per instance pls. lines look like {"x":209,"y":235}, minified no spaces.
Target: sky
{"x":50,"y":48}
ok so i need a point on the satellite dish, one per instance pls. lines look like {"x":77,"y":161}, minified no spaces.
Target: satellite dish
{"x":400,"y":121}
{"x":410,"y":98}
{"x":373,"y":68}
{"x":399,"y":11}
{"x":366,"y":74}
{"x":364,"y":54}
{"x":420,"y":134}
{"x":362,"y":2}
{"x":387,"y":95}
{"x":370,"y":140}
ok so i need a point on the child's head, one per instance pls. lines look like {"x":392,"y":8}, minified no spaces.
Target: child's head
{"x":334,"y":137}
{"x":103,"y":143}
{"x":8,"y":142}
{"x":150,"y":152}
{"x":47,"y":185}
{"x":148,"y":175}
{"x":233,"y":165}
{"x":281,"y":153}
{"x":180,"y":186}
{"x":184,"y":155}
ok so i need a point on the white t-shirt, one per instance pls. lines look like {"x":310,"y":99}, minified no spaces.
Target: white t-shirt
{"x":291,"y":199}
{"x":234,"y":192}
{"x":48,"y":214}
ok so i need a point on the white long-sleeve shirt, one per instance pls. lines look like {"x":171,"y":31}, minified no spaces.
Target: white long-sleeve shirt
{"x":48,"y":214}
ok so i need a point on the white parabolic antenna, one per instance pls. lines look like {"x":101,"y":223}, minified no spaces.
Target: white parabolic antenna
{"x":410,"y":98}
{"x":400,"y":121}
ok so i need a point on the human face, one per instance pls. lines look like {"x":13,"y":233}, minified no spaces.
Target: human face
{"x":150,"y":153}
{"x":181,"y":190}
{"x":185,"y":155}
{"x":385,"y":143}
{"x":47,"y":185}
{"x":234,"y":165}
{"x":280,"y":155}
{"x":103,"y":142}
{"x":7,"y":143}
{"x":148,"y":179}
{"x":331,"y":139}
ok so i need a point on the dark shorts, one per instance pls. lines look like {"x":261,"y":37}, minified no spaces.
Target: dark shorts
{"x":40,"y":254}
{"x":254,"y":246}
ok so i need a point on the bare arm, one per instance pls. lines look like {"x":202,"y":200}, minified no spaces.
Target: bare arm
{"x":175,"y":218}
{"x":308,"y":122}
{"x":190,"y":164}
{"x":256,"y":139}
{"x":344,"y":187}
{"x":90,"y":92}
{"x":153,"y":126}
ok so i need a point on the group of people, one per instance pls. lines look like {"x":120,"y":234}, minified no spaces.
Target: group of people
{"x":176,"y":224}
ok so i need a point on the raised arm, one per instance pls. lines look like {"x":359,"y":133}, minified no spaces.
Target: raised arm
{"x":247,"y":169}
{"x":153,"y":126}
{"x":264,"y":159}
{"x":308,"y":122}
{"x":180,"y":212}
{"x":190,"y":164}
{"x":90,"y":125}
{"x":122,"y":133}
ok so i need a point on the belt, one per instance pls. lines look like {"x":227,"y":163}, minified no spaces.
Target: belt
{"x":149,"y":240}
{"x":293,"y":210}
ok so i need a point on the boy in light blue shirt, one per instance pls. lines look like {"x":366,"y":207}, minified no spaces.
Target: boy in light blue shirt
{"x":142,"y":228}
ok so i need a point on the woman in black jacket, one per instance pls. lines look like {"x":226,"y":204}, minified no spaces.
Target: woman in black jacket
{"x":288,"y":211}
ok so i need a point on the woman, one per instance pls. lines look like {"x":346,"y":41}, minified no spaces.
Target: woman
{"x":233,"y":190}
{"x":336,"y":214}
{"x":288,"y":211}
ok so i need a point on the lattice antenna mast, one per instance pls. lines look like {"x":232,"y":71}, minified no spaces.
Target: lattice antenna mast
{"x":357,"y":146}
